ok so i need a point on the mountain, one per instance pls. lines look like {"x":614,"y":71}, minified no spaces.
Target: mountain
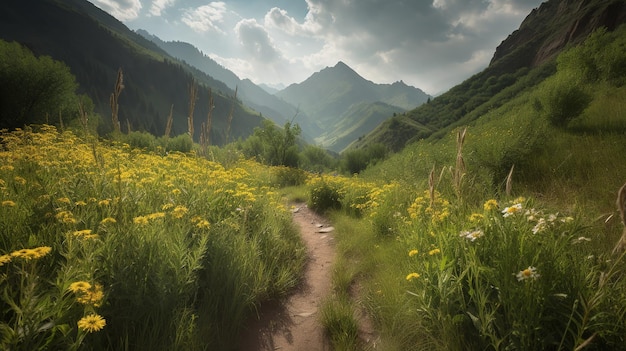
{"x":328,"y":95}
{"x":355,"y":123}
{"x":95,"y":45}
{"x":522,"y":60}
{"x":251,"y":95}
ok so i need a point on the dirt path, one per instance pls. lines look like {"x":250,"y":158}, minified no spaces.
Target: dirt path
{"x":294,"y":324}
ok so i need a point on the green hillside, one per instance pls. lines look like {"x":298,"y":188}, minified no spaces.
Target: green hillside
{"x":95,"y":45}
{"x":502,"y":232}
{"x":355,"y":122}
{"x":523,"y":60}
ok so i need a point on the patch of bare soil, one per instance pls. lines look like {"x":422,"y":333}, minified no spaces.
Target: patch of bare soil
{"x":294,"y":324}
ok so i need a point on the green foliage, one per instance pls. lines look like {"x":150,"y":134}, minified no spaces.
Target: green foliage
{"x":141,"y":140}
{"x":324,"y":196}
{"x":599,"y":58}
{"x":180,"y":143}
{"x":34,"y":89}
{"x":355,"y":161}
{"x":274,"y":146}
{"x":563,"y":98}
{"x":288,"y":176}
{"x":315,"y":159}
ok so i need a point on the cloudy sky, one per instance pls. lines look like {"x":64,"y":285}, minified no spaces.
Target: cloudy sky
{"x":430,"y":44}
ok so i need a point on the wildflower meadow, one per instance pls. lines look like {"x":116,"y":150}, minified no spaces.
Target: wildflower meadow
{"x":444,"y":272}
{"x":107,"y":247}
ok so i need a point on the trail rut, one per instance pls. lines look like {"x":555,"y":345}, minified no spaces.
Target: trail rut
{"x":294,"y":324}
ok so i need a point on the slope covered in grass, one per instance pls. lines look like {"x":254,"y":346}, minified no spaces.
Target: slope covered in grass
{"x":499,"y":233}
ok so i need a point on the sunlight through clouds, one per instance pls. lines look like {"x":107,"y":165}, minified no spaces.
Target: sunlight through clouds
{"x":205,"y":18}
{"x":432,"y":45}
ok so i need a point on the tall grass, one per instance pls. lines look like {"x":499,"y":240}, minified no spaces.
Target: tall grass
{"x":169,"y":252}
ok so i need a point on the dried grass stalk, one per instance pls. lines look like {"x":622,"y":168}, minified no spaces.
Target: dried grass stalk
{"x":114,"y":100}
{"x":230,"y":115}
{"x":509,"y":182}
{"x":193,"y":96}
{"x":621,"y":207}
{"x":170,"y":121}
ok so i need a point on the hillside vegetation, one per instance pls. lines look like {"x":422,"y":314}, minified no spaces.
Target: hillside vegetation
{"x":521,"y":61}
{"x":498,"y":229}
{"x":503,"y":232}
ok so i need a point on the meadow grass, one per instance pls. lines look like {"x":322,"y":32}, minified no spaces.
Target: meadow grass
{"x":108,"y":247}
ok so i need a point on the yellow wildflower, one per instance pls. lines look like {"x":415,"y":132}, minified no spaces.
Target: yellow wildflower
{"x":104,"y":202}
{"x":476,"y":217}
{"x":519,"y":200}
{"x":179,"y":211}
{"x":91,"y":323}
{"x":412,"y":276}
{"x":490,"y":205}
{"x":19,"y":180}
{"x":83,"y":232}
{"x":4,"y":259}
{"x":27,"y":254}
{"x":108,"y":220}
{"x":42,"y":251}
{"x":434,"y":252}
{"x":413,"y":253}
{"x":141,"y":220}
{"x":64,"y":200}
{"x":6,"y":168}
{"x":81,"y":203}
{"x":92,"y":296}
{"x":203,"y":224}
{"x":79,"y":287}
{"x":8,"y":203}
{"x":155,"y":215}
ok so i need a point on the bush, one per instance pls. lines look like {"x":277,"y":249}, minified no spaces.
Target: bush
{"x":324,"y":196}
{"x":563,"y":99}
{"x":141,"y":140}
{"x":180,"y":143}
{"x":288,"y":176}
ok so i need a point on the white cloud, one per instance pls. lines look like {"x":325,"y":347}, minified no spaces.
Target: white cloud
{"x":429,"y":44}
{"x":159,"y":5}
{"x":256,"y":41}
{"x":205,"y":18}
{"x":123,"y":10}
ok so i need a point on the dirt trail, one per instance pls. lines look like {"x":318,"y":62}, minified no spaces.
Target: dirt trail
{"x":293,"y":325}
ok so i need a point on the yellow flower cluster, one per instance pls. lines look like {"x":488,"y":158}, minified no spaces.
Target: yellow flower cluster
{"x":87,"y":294}
{"x":31,"y":254}
{"x":85,"y":234}
{"x":92,"y":323}
{"x":437,"y":209}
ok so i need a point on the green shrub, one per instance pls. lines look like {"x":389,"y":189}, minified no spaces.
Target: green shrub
{"x":288,"y":176}
{"x":324,"y":196}
{"x":141,"y":140}
{"x":563,"y":99}
{"x":181,"y":143}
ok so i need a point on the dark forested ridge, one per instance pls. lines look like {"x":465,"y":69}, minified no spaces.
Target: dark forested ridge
{"x":95,"y":45}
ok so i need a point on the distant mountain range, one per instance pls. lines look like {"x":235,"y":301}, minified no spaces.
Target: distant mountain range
{"x":334,"y":107}
{"x":319,"y":106}
{"x":345,"y":105}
